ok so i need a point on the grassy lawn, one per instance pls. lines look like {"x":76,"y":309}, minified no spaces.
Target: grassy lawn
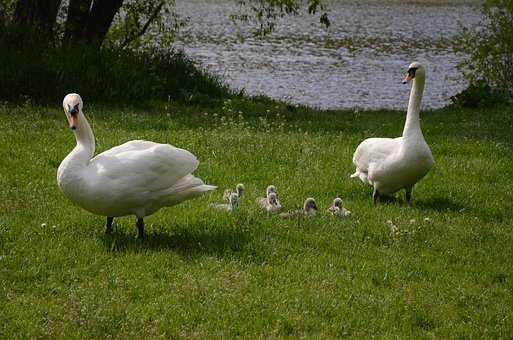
{"x":447,"y":272}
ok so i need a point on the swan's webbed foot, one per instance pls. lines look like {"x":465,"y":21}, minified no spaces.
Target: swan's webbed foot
{"x":375,"y":196}
{"x":108,"y":225}
{"x":140,"y":227}
{"x":407,"y":194}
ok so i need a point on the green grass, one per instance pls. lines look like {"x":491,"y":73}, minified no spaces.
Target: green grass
{"x":206,"y":274}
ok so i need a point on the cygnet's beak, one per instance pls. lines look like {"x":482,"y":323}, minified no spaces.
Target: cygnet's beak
{"x":407,"y":77}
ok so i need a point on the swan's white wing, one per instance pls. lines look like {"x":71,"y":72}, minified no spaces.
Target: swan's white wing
{"x":374,"y":150}
{"x":142,"y":165}
{"x":128,"y":146}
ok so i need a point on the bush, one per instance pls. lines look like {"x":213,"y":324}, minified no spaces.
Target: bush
{"x":36,"y":68}
{"x":490,"y":51}
{"x":480,"y":94}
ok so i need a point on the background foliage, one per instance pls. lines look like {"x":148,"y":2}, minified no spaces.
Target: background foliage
{"x":132,"y":23}
{"x":489,"y":66}
{"x":109,"y":49}
{"x":39,"y":71}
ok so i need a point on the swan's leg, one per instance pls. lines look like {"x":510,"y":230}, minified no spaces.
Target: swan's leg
{"x":375,"y":196}
{"x":108,"y":225}
{"x":140,"y":226}
{"x":408,"y":193}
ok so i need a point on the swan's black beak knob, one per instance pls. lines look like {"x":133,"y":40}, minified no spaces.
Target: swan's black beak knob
{"x":407,"y":77}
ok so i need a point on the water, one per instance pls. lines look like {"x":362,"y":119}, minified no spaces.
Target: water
{"x":358,"y":62}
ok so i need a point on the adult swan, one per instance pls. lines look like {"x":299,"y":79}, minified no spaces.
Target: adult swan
{"x":135,"y":178}
{"x":392,"y":164}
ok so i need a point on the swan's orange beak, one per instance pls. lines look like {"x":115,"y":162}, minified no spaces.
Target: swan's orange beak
{"x":73,"y":122}
{"x":407,"y":77}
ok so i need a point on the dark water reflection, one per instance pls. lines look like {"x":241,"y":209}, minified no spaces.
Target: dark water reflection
{"x":358,"y":62}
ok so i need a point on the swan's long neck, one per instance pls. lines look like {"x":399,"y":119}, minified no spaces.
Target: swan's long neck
{"x":84,"y":150}
{"x":412,"y":125}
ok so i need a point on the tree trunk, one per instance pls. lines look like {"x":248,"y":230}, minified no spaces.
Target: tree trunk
{"x":37,"y":14}
{"x":78,"y":13}
{"x":89,"y":21}
{"x":99,"y":21}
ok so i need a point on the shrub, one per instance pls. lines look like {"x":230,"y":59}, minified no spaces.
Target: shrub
{"x":480,"y":94}
{"x":490,"y":52}
{"x":36,"y":68}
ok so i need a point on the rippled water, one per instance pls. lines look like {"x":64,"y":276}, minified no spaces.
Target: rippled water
{"x":358,"y":62}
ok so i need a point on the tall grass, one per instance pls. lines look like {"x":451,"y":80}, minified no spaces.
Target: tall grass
{"x":38,"y":69}
{"x":446,"y":272}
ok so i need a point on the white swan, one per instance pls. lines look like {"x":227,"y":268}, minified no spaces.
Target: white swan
{"x":309,"y":209}
{"x":135,"y":178}
{"x":337,"y":208}
{"x":392,"y":164}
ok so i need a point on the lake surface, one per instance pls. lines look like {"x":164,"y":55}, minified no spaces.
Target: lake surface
{"x":357,"y":63}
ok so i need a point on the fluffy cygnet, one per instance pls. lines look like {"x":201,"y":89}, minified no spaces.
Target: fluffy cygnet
{"x":309,"y":209}
{"x":337,"y":208}
{"x":230,"y":206}
{"x":239,"y":190}
{"x":270,"y":203}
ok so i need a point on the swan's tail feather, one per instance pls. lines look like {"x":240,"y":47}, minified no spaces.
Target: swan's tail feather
{"x":207,"y":187}
{"x":186,"y":188}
